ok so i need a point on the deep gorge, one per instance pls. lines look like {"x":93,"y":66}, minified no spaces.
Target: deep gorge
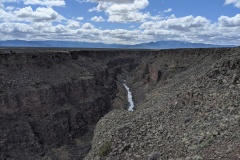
{"x":67,"y":103}
{"x":53,"y":98}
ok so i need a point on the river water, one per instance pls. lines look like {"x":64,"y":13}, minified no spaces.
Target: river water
{"x":130,"y":99}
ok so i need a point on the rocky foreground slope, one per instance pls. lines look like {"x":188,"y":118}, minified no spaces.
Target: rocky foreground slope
{"x":187,"y":104}
{"x":187,"y":108}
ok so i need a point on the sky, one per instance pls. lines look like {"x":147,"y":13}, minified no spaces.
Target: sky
{"x":121,"y":21}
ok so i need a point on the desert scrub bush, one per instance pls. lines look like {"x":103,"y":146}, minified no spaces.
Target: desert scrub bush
{"x":105,"y":149}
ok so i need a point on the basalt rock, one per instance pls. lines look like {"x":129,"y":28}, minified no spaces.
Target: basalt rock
{"x":51,"y":99}
{"x":192,"y":112}
{"x":64,"y":104}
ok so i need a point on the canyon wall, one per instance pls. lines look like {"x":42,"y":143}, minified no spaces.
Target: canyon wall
{"x":52,"y":98}
{"x":187,"y":107}
{"x":66,"y":103}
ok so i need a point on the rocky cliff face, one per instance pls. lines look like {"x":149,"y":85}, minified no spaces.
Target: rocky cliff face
{"x":50,"y":99}
{"x":187,"y":108}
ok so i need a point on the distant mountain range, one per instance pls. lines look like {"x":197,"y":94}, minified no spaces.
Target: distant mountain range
{"x":70,"y":44}
{"x":176,"y":44}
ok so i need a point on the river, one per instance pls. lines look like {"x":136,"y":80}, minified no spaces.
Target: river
{"x":130,"y":99}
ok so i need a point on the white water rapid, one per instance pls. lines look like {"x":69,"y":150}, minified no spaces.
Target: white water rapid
{"x":130,"y":99}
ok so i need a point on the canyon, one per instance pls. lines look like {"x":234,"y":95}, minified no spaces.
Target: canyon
{"x":72,"y":104}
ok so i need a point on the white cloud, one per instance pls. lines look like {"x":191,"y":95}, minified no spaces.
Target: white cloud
{"x":207,"y":32}
{"x":128,"y":17}
{"x":235,"y":2}
{"x":229,"y":21}
{"x":168,"y":10}
{"x":41,"y":14}
{"x":100,"y":7}
{"x":88,"y":26}
{"x":38,"y":2}
{"x":113,"y":1}
{"x":45,"y":2}
{"x":97,"y":19}
{"x":15,"y":28}
{"x":41,"y":25}
{"x":180,"y":24}
{"x":73,"y":24}
{"x":193,"y":29}
{"x":135,"y":5}
{"x":123,"y":11}
{"x":10,"y":1}
{"x":6,"y":16}
{"x":10,"y":8}
{"x":80,"y":18}
{"x":24,"y":12}
{"x":60,"y":29}
{"x":126,"y":11}
{"x":37,"y":24}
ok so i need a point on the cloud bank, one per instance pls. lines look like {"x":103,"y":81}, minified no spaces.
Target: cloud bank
{"x":236,"y":3}
{"x":43,"y":22}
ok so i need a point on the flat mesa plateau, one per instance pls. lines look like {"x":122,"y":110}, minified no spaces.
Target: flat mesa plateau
{"x":71,"y":104}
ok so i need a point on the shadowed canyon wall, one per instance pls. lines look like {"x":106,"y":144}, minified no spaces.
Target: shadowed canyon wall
{"x":52,"y":98}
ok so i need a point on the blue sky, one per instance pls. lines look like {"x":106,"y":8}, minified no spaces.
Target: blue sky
{"x":121,"y":21}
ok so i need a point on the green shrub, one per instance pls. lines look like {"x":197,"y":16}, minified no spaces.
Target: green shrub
{"x":105,"y":149}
